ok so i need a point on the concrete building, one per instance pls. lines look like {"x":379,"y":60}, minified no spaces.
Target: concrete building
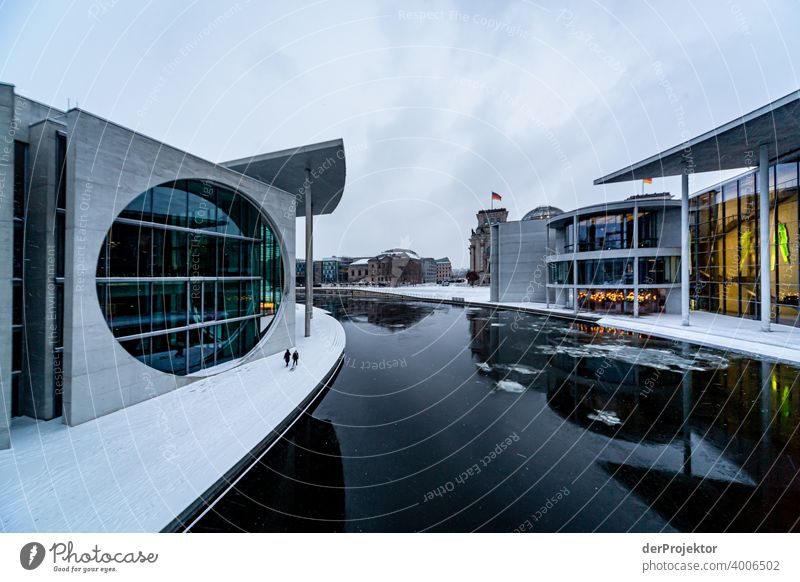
{"x":444,"y":270}
{"x":480,"y":242}
{"x":133,"y":268}
{"x":737,"y":240}
{"x":395,"y":267}
{"x":518,"y":256}
{"x":621,"y":257}
{"x":358,"y":271}
{"x":429,"y":270}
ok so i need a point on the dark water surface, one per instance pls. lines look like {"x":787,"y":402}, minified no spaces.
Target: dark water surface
{"x":447,"y":418}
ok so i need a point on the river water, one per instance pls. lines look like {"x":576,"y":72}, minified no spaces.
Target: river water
{"x":446,"y":418}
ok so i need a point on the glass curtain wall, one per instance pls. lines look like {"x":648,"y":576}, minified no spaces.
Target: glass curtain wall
{"x":724,"y":228}
{"x":190,"y":276}
{"x":614,"y":231}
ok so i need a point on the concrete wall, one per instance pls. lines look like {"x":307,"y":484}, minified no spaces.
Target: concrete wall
{"x":6,"y":263}
{"x":519,"y":261}
{"x":108,"y":166}
{"x":38,"y":398}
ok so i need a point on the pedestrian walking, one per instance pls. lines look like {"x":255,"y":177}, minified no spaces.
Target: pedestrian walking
{"x":295,"y":358}
{"x":286,"y":357}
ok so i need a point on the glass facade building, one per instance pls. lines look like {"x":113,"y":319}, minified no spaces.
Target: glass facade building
{"x":724,"y":229}
{"x":621,"y":257}
{"x":189,"y":276}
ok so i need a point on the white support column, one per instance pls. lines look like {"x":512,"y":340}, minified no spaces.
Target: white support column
{"x":309,"y":253}
{"x":546,"y":265}
{"x":763,"y":235}
{"x":635,"y":258}
{"x":685,"y":258}
{"x":575,"y":263}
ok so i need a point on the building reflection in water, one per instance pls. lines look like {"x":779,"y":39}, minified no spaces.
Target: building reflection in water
{"x":388,"y":313}
{"x":298,"y":486}
{"x":708,"y":440}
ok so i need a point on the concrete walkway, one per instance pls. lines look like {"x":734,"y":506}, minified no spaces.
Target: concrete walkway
{"x":136,"y":469}
{"x":723,"y":332}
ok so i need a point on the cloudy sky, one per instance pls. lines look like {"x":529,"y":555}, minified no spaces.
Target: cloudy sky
{"x":438,"y":103}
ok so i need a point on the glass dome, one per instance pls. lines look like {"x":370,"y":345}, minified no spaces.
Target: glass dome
{"x":542,"y":213}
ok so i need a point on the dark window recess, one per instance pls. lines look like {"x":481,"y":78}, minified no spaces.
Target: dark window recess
{"x":20,"y":178}
{"x":61,"y":170}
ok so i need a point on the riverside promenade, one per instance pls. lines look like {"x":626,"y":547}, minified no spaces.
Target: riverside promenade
{"x":731,"y":334}
{"x":143,"y":468}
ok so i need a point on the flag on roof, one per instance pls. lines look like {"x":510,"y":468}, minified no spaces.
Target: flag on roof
{"x":496,"y":196}
{"x":647,"y":180}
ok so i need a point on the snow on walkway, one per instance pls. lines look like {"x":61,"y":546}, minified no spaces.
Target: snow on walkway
{"x":136,"y":469}
{"x":735,"y":334}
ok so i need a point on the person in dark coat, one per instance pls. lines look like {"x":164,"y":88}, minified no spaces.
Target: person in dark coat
{"x":295,"y":358}
{"x":286,"y":357}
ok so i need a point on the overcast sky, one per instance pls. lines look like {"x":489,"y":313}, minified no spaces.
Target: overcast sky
{"x":438,"y":103}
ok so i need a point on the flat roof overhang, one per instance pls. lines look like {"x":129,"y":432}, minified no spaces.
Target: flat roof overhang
{"x":286,"y":170}
{"x":731,"y":146}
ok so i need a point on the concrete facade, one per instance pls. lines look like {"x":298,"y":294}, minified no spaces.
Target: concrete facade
{"x":518,"y":266}
{"x":107,"y":167}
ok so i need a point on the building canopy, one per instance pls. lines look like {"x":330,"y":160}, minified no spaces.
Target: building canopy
{"x":731,"y":146}
{"x":286,"y":170}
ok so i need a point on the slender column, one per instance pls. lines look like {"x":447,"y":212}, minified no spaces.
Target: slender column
{"x":635,"y":258}
{"x":685,"y":248}
{"x":575,"y":263}
{"x":309,"y":253}
{"x":546,"y":265}
{"x":763,"y":235}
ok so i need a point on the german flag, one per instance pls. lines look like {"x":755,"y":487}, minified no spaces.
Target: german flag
{"x":647,"y":180}
{"x":496,"y":196}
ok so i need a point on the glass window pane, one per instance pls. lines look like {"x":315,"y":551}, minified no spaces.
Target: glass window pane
{"x":169,"y":305}
{"x":170,"y":205}
{"x":170,"y":254}
{"x":128,"y":308}
{"x":129,"y":248}
{"x":202,"y":255}
{"x":169,"y":353}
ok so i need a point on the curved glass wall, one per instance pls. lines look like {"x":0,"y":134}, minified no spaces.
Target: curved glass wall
{"x":189,"y":276}
{"x":614,"y":231}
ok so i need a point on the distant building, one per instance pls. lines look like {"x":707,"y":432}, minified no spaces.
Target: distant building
{"x":429,"y":270}
{"x":480,"y":242}
{"x":444,"y":270}
{"x":329,"y":270}
{"x":358,"y":271}
{"x":300,"y":272}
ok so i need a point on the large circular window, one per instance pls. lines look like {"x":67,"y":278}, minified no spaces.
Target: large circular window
{"x":189,"y":276}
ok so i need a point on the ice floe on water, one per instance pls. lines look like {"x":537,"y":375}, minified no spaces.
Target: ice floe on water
{"x":510,"y":386}
{"x":518,"y":368}
{"x":660,"y":359}
{"x":605,"y":416}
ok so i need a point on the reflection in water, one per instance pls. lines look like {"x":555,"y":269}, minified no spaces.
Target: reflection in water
{"x":731,"y":419}
{"x":293,"y":488}
{"x":490,"y":415}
